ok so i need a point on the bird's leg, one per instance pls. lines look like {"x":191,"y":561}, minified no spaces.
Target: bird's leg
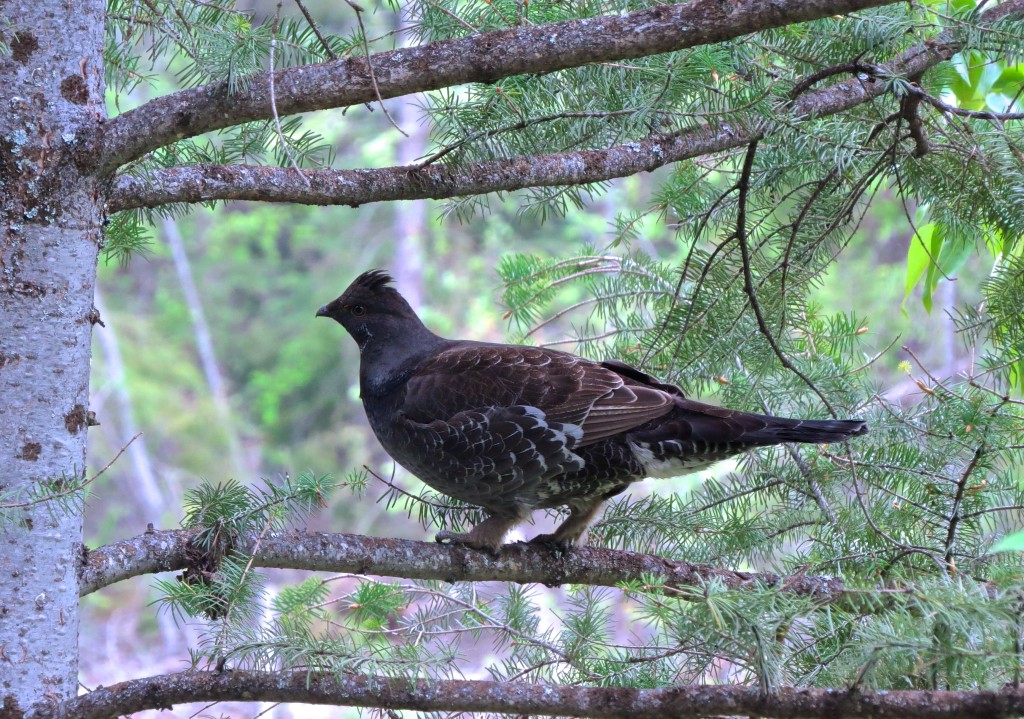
{"x":569,"y":532}
{"x":489,"y":534}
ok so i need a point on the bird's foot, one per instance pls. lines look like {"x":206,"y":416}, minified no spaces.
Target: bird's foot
{"x":559,"y":545}
{"x":488,"y":535}
{"x":467,"y":538}
{"x":571,"y":532}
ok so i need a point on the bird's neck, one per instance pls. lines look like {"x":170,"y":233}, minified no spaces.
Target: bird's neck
{"x":386,"y":360}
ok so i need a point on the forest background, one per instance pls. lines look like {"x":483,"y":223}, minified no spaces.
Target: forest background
{"x":222,"y":368}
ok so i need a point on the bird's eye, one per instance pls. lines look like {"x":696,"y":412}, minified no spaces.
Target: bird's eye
{"x":357,"y":310}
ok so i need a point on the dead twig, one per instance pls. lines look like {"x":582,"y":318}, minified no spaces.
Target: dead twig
{"x":316,"y":30}
{"x":369,"y":65}
{"x":748,"y":277}
{"x":75,"y":488}
{"x":273,"y":98}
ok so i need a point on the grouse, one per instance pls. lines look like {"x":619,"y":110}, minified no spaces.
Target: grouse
{"x":514,"y":428}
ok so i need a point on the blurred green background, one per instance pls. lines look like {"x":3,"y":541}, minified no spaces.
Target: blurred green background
{"x":211,"y":349}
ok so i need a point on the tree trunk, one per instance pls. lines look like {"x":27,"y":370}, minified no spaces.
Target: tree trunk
{"x":411,"y":216}
{"x":204,"y":345}
{"x":51,"y":225}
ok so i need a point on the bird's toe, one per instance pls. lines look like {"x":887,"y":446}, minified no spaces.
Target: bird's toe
{"x":466,"y":539}
{"x":558,"y":545}
{"x":447,"y":537}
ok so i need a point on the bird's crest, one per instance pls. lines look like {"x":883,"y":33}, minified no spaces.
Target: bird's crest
{"x":372,"y":280}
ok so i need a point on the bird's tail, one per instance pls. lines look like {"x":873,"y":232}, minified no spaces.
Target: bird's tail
{"x":709,"y":425}
{"x":697,"y":435}
{"x":814,"y":431}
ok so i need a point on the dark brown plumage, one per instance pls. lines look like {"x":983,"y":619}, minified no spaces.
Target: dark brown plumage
{"x":513,"y":428}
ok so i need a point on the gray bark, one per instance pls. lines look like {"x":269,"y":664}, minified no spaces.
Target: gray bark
{"x":201,"y":183}
{"x":520,"y":698}
{"x":485,"y":57}
{"x":50,"y":232}
{"x":54,"y":143}
{"x":166,"y":551}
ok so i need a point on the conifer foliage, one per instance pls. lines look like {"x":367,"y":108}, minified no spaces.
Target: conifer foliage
{"x":879,"y":577}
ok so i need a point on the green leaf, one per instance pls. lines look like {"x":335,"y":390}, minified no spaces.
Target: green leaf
{"x":953,"y":256}
{"x":1010,"y":80}
{"x":930,"y":255}
{"x":934,"y":269}
{"x":919,"y":259}
{"x":1010,"y":543}
{"x":976,"y":76}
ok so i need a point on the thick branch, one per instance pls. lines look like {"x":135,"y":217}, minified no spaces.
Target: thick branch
{"x":530,"y":699}
{"x":197,"y":183}
{"x":486,"y":57}
{"x":165,"y":551}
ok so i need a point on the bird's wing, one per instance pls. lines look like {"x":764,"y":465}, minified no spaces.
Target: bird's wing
{"x":497,"y":458}
{"x":603,"y":400}
{"x":636,"y":401}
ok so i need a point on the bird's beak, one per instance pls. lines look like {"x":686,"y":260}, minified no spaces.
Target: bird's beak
{"x":322,"y":312}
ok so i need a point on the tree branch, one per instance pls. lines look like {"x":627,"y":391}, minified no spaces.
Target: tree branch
{"x":743,"y":186}
{"x":166,"y":551}
{"x":508,"y":698}
{"x":486,"y":57}
{"x":202,"y":183}
{"x":199,"y":183}
{"x":954,"y":515}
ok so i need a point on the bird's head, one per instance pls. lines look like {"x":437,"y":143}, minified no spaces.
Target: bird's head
{"x":373,"y":311}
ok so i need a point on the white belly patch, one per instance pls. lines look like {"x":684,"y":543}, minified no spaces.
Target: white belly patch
{"x":668,"y":467}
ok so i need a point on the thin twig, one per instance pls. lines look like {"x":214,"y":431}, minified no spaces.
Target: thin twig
{"x":316,"y":30}
{"x":369,"y":65}
{"x":909,"y":549}
{"x":903,"y":194}
{"x":954,"y":519}
{"x":909,"y":111}
{"x":409,"y":495}
{"x":792,"y":240}
{"x":935,"y":380}
{"x":77,"y":488}
{"x":521,"y":125}
{"x":273,"y":98}
{"x":453,"y":16}
{"x":171,"y":31}
{"x":853,"y":66}
{"x":989,"y":510}
{"x":201,"y":711}
{"x":871,"y":360}
{"x":748,"y":277}
{"x":590,"y":338}
{"x":701,"y":226}
{"x":816,"y":493}
{"x":589,"y":301}
{"x":224,"y":630}
{"x":1003,"y":398}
